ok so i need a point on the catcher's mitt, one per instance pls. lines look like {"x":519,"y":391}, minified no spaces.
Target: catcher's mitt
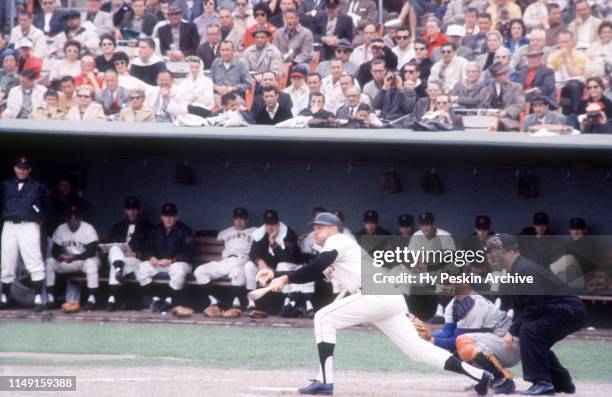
{"x":234,"y":312}
{"x":182,"y":311}
{"x":71,"y":307}
{"x":422,"y":329}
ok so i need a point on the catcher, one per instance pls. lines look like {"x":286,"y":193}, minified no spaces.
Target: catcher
{"x":474,"y":328}
{"x":340,"y":260}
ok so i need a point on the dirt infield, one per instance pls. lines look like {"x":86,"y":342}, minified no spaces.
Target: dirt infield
{"x":173,"y":381}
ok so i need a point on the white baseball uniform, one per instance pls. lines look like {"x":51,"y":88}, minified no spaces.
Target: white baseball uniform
{"x":237,"y":245}
{"x":116,"y":253}
{"x":74,"y":243}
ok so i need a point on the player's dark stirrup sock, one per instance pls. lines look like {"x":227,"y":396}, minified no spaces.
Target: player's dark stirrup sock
{"x":173,"y":294}
{"x":485,"y":362}
{"x":202,"y":292}
{"x":92,"y":292}
{"x":455,"y":365}
{"x":326,"y":352}
{"x":6,"y":289}
{"x":118,"y":264}
{"x":113,"y":291}
{"x":38,"y":287}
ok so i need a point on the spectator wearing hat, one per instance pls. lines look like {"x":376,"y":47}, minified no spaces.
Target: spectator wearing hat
{"x":404,"y":48}
{"x":316,"y":108}
{"x":49,"y":19}
{"x":537,"y":75}
{"x":477,"y":240}
{"x":577,"y":228}
{"x":74,"y":30}
{"x":136,"y":110}
{"x":25,"y":28}
{"x":27,"y":60}
{"x":342,"y":52}
{"x":272,"y":113}
{"x":331,"y":26}
{"x":467,"y":93}
{"x":113,"y":97}
{"x":178,"y":39}
{"x":167,"y":250}
{"x":455,"y":34}
{"x":230,"y":75}
{"x":534,"y":242}
{"x":363,"y":53}
{"x":229,"y":30}
{"x":298,"y":90}
{"x":542,"y":117}
{"x":263,"y":56}
{"x":86,"y":109}
{"x":138,"y":20}
{"x":450,"y":70}
{"x":293,"y":40}
{"x":50,"y":111}
{"x":537,"y":42}
{"x":24,"y":98}
{"x":506,"y":96}
{"x":261,"y":12}
{"x":8,"y":74}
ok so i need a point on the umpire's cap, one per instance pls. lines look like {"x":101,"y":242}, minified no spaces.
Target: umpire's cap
{"x":169,"y":209}
{"x":326,"y":219}
{"x":502,"y":241}
{"x":132,"y":203}
{"x":270,"y":217}
{"x":241,"y":213}
{"x":23,"y":162}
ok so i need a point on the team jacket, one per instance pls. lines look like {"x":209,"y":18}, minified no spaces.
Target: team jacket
{"x":164,"y":244}
{"x":290,"y":253}
{"x":24,"y":205}
{"x":138,"y":242}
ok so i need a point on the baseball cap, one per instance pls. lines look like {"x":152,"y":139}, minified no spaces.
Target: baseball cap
{"x":169,"y":209}
{"x":455,"y":30}
{"x":23,"y":162}
{"x":298,"y":71}
{"x":406,"y":220}
{"x":577,"y":223}
{"x":70,"y":14}
{"x":74,"y":210}
{"x":174,"y":9}
{"x":426,"y":218}
{"x":482,"y":222}
{"x":370,"y":216}
{"x":270,"y":217}
{"x":344,"y":43}
{"x":132,"y":203}
{"x":378,"y":43}
{"x":540,"y":218}
{"x":332,"y":3}
{"x":24,"y":42}
{"x":502,"y":241}
{"x":326,"y":219}
{"x":241,"y":213}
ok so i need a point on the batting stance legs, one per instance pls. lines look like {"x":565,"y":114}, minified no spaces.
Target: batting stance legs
{"x":387,"y":314}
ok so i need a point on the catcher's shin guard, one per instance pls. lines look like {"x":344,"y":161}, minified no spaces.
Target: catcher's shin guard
{"x":489,"y":362}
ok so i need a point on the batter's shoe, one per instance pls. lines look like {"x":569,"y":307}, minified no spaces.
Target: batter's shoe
{"x":482,"y":387}
{"x":318,"y":388}
{"x":89,"y":307}
{"x":540,"y":389}
{"x":504,"y":386}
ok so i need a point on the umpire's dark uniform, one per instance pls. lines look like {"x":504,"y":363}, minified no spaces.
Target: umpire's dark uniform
{"x":542,"y":320}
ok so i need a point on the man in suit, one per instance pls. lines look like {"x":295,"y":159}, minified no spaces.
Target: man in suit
{"x":349,"y":109}
{"x":208,"y":51}
{"x":138,"y":20}
{"x":268,"y":79}
{"x":393,"y":100}
{"x":537,"y":75}
{"x":102,"y":21}
{"x":273,"y":113}
{"x":49,"y":20}
{"x":542,"y":116}
{"x":112,"y":98}
{"x":506,"y":96}
{"x":25,"y":97}
{"x":178,"y":39}
{"x":330,"y":27}
{"x":229,"y":30}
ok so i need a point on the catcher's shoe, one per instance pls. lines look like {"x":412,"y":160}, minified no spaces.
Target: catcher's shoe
{"x":504,"y":386}
{"x":318,"y":388}
{"x":291,"y":311}
{"x":213,"y":311}
{"x":89,"y":307}
{"x":482,"y":387}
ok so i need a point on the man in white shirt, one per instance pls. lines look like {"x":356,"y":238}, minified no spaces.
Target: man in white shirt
{"x":164,"y":99}
{"x":24,"y":98}
{"x":331,"y":84}
{"x":363,"y":53}
{"x":26,"y":28}
{"x":102,"y":21}
{"x":404,"y":48}
{"x":298,"y":90}
{"x":450,"y":69}
{"x":585,"y":25}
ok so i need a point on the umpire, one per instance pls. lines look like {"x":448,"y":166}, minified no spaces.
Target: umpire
{"x":22,"y":199}
{"x":540,"y":321}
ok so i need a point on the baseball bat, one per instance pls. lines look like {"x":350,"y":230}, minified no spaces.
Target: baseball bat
{"x":341,"y":294}
{"x":258,"y":293}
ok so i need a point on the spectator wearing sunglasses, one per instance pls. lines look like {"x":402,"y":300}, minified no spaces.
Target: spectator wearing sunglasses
{"x":421,"y":57}
{"x":411,"y":76}
{"x":595,"y":89}
{"x":450,"y":70}
{"x":343,"y":52}
{"x":404,"y":48}
{"x":86,"y":109}
{"x":243,"y":17}
{"x":137,"y":111}
{"x":261,"y":13}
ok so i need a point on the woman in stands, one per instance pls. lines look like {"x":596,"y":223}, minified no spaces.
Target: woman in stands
{"x":516,"y":35}
{"x":70,"y":66}
{"x":595,"y":88}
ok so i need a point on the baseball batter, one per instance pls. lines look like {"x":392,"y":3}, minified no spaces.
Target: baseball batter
{"x":237,"y":246}
{"x":340,"y":260}
{"x":75,"y":245}
{"x":21,"y":213}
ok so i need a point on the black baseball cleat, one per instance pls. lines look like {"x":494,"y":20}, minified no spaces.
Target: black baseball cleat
{"x":318,"y":388}
{"x":163,"y":306}
{"x":89,"y":307}
{"x":39,"y":307}
{"x":504,"y":386}
{"x":482,"y":387}
{"x":540,"y":389}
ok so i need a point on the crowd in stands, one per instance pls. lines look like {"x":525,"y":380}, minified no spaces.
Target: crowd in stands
{"x":526,"y":65}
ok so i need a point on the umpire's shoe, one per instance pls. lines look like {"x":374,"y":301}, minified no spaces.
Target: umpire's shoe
{"x":318,"y":388}
{"x":504,"y":386}
{"x":540,"y":389}
{"x":482,"y":387}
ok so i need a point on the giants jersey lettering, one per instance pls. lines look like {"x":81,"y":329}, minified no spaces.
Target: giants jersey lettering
{"x":346,"y":270}
{"x":74,"y":243}
{"x":237,"y":242}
